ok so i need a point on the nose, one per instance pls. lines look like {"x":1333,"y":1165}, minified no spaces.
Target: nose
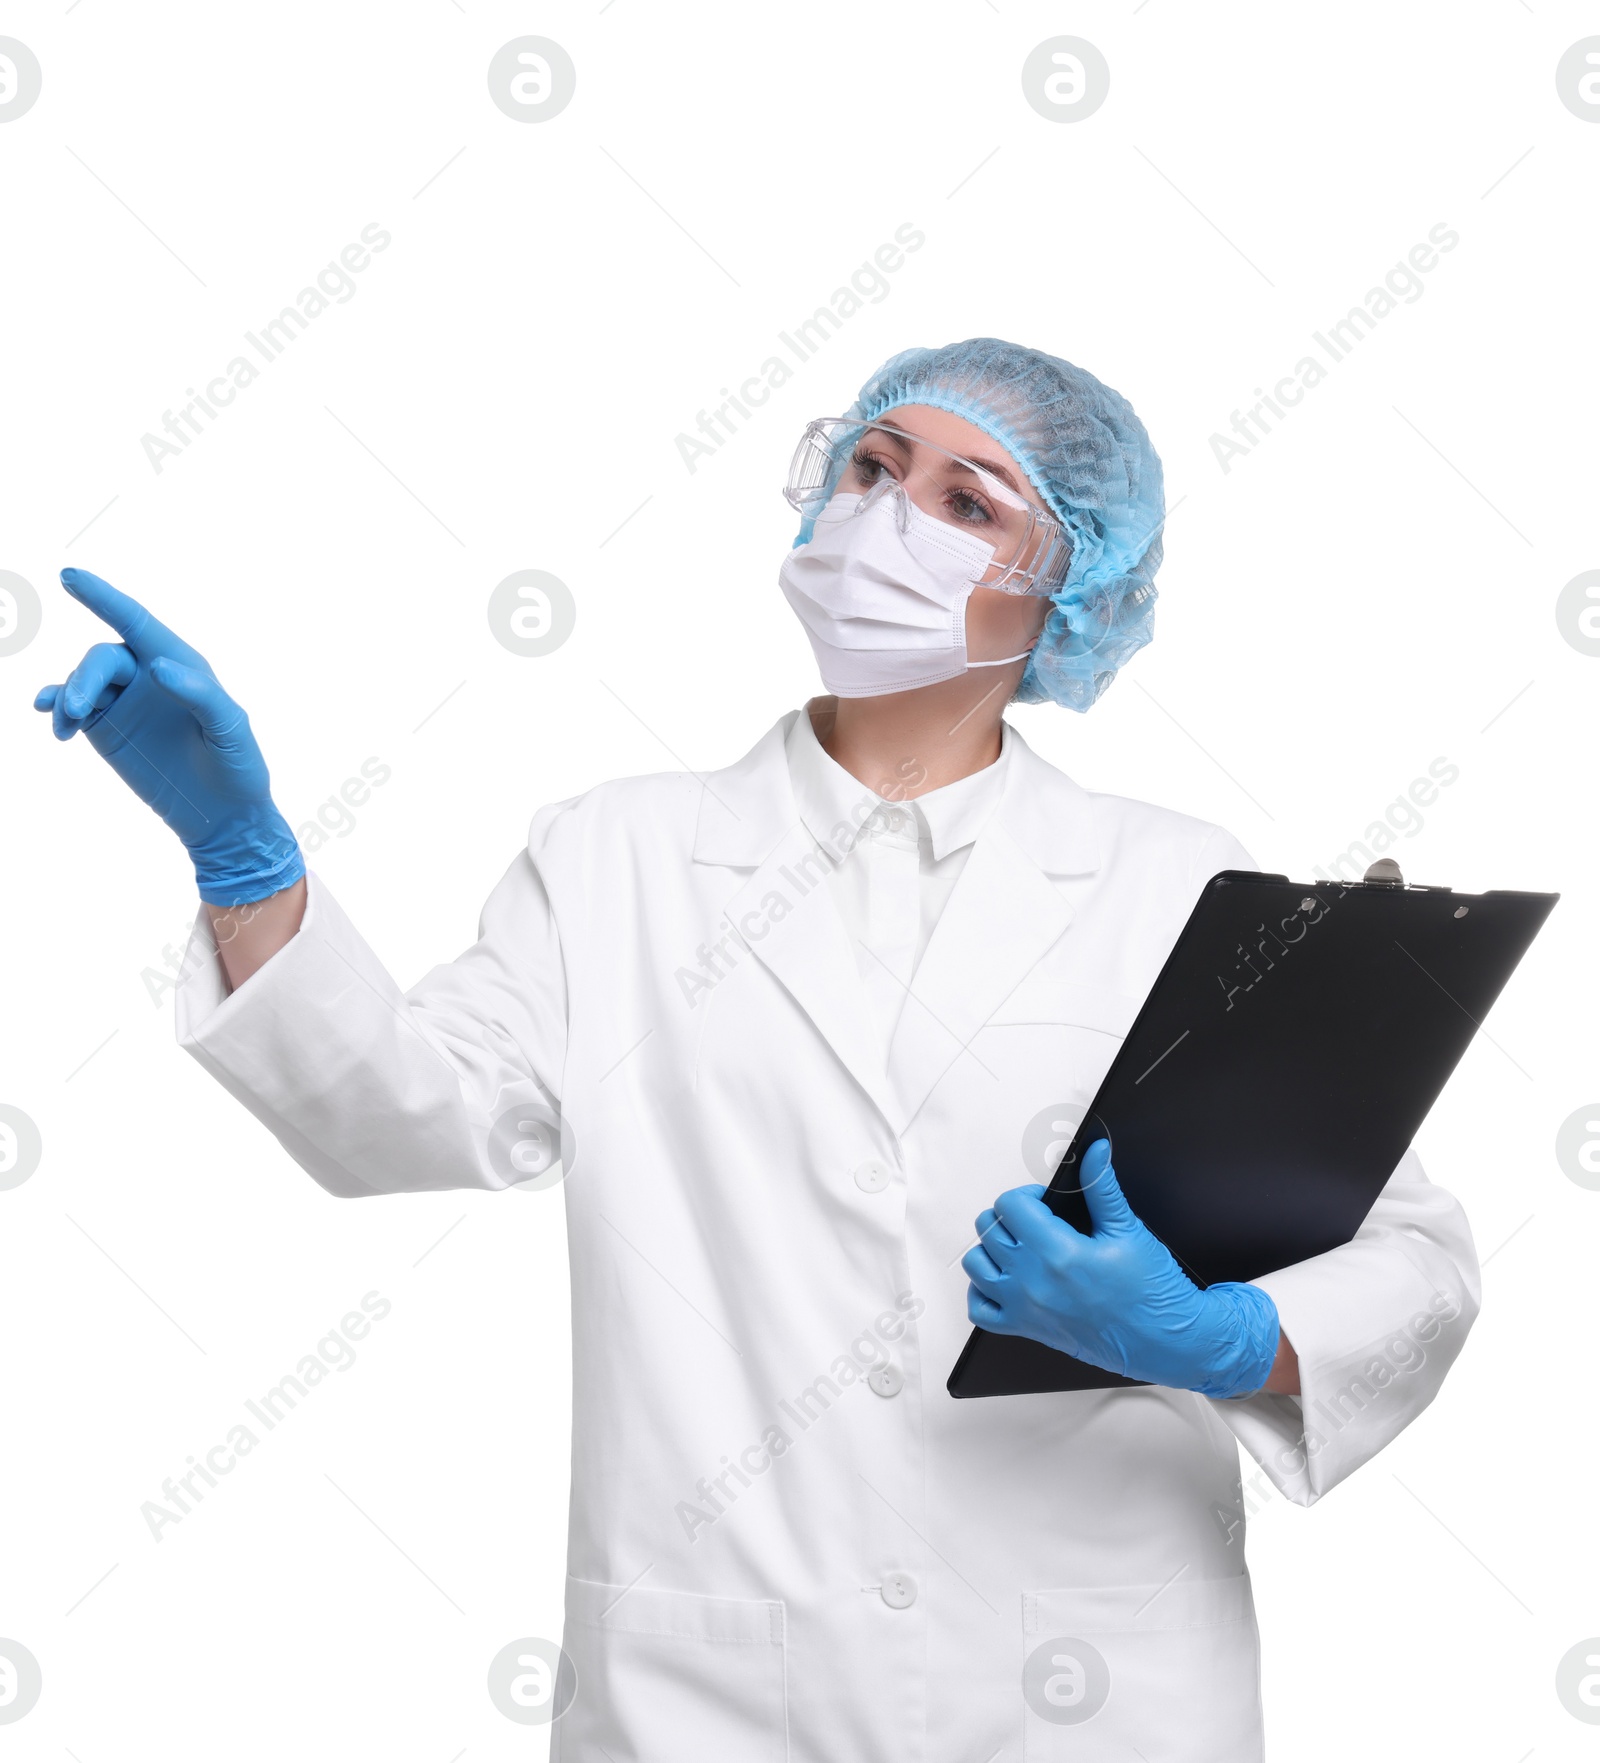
{"x":923,"y":490}
{"x":886,"y":489}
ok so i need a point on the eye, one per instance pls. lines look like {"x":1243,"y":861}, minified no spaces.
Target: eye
{"x":969,"y":507}
{"x":867,"y":467}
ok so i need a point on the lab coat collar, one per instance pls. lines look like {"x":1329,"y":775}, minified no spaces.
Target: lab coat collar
{"x":954,"y":815}
{"x":833,"y":804}
{"x":1049,"y":816}
{"x":1003,"y":915}
{"x":747,"y":807}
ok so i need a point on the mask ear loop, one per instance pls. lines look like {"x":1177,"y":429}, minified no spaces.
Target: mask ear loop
{"x":1005,"y":660}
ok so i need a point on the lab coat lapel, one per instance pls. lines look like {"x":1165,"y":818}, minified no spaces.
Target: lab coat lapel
{"x":808,"y":950}
{"x":1003,"y":916}
{"x":783,"y":912}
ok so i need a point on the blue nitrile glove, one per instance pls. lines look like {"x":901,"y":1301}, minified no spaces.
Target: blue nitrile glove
{"x":152,"y":709}
{"x":1116,"y":1299}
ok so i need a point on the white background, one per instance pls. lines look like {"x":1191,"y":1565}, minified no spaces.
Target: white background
{"x":1367,"y":591}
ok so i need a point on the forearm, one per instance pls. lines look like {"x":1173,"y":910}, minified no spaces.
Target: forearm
{"x":249,"y":936}
{"x":1285,"y":1377}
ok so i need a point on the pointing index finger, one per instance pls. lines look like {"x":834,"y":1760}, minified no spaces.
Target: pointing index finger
{"x":139,"y":628}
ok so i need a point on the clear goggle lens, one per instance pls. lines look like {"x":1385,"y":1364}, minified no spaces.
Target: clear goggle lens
{"x":840,"y":456}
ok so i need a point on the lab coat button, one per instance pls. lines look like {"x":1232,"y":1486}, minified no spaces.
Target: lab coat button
{"x":899,"y":1591}
{"x":886,"y":1379}
{"x":872,"y":1177}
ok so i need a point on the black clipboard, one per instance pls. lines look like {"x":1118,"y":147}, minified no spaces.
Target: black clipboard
{"x":1288,"y":1051}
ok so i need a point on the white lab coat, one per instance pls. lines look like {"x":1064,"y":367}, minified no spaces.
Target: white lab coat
{"x":761,"y":1220}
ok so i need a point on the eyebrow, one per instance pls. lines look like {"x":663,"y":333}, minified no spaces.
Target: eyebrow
{"x":992,"y":466}
{"x":995,"y":469}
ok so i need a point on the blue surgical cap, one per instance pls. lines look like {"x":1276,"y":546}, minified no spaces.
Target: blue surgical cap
{"x":1090,"y":460}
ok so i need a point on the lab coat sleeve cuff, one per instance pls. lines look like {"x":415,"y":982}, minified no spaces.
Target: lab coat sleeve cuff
{"x":1375,"y":1324}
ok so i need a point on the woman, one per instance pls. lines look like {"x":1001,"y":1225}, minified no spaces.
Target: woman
{"x":787,"y":1024}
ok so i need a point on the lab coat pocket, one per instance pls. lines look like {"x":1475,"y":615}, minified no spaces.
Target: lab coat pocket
{"x":673,"y":1676}
{"x":1051,"y":1042}
{"x":1114,"y":1673}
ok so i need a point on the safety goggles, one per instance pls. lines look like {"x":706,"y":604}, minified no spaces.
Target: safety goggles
{"x":841,"y":456}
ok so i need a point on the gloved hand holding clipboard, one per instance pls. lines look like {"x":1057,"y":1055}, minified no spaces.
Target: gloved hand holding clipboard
{"x":1282,"y":1063}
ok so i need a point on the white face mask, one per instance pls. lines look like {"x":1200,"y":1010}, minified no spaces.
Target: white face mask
{"x":883,"y":595}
